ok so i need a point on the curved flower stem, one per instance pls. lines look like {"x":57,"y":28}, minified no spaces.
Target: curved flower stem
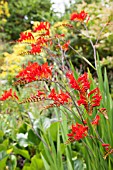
{"x":101,"y":32}
{"x":71,"y":112}
{"x":78,"y":110}
{"x":62,"y":53}
{"x":81,"y":56}
{"x":93,"y":46}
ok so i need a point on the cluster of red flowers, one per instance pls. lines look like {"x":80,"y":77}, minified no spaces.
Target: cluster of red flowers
{"x":43,"y":26}
{"x":60,"y":98}
{"x":8,"y":94}
{"x":79,"y":16}
{"x":37,"y":47}
{"x":78,"y":132}
{"x":81,"y":84}
{"x":88,"y":99}
{"x":34,"y":72}
{"x":43,"y":30}
{"x":25,"y":36}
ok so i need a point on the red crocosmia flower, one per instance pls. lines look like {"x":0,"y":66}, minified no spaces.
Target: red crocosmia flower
{"x":81,"y":84}
{"x":40,"y":93}
{"x":96,"y":120}
{"x":65,"y":46}
{"x":63,"y":97}
{"x":41,"y":41}
{"x":43,"y":26}
{"x":105,"y":145}
{"x":78,"y":132}
{"x":85,"y":122}
{"x":34,"y":72}
{"x":82,"y":100}
{"x":25,"y":36}
{"x":53,"y":95}
{"x":8,"y":94}
{"x":73,"y":81}
{"x":36,"y":48}
{"x":96,"y":98}
{"x":78,"y":16}
{"x":60,"y":98}
{"x":90,"y":100}
{"x":59,"y":35}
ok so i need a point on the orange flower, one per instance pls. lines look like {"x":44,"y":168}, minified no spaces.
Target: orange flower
{"x":8,"y":94}
{"x":79,"y":16}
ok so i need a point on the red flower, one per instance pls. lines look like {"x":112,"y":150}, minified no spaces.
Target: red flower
{"x":25,"y":36}
{"x":79,"y":16}
{"x":96,"y":120}
{"x":106,"y":146}
{"x":35,"y":72}
{"x":81,"y":84}
{"x":43,"y":26}
{"x":78,"y":132}
{"x":8,"y":94}
{"x":60,"y":98}
{"x":59,"y":35}
{"x":63,"y":97}
{"x":65,"y":46}
{"x":41,"y":40}
{"x":36,"y":48}
{"x":96,"y":98}
{"x":40,"y":93}
{"x":53,"y":95}
{"x":90,"y":101}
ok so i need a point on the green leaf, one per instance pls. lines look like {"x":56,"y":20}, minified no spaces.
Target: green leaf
{"x":32,"y":138}
{"x":23,"y":128}
{"x":3,"y":154}
{"x":36,"y":163}
{"x":22,"y":152}
{"x":1,"y":133}
{"x":3,"y":159}
{"x":53,"y":130}
{"x":26,"y":167}
{"x":13,"y":162}
{"x":47,"y":167}
{"x":3,"y":163}
{"x":4,"y":145}
{"x":79,"y":164}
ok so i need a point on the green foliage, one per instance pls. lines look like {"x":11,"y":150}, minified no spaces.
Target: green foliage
{"x":24,"y":13}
